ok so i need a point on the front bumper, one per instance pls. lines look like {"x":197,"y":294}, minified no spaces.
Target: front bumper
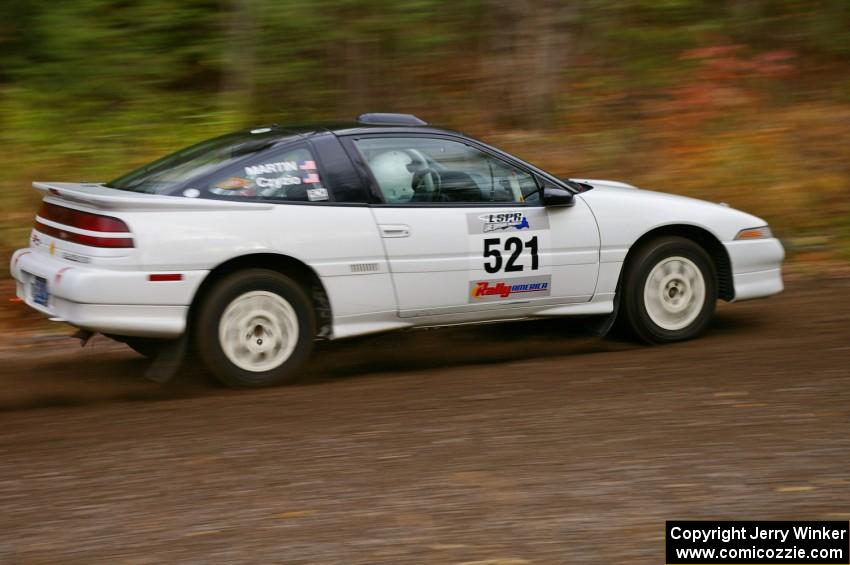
{"x":122,"y":302}
{"x":756,"y":267}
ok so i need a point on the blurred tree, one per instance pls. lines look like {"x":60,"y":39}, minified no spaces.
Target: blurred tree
{"x":322,"y":57}
{"x":238,"y":71}
{"x":527,"y":46}
{"x":99,"y":85}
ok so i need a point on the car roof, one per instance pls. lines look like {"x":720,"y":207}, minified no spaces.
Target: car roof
{"x":356,"y":128}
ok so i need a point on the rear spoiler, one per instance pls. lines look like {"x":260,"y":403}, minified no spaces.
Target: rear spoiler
{"x":100,"y":196}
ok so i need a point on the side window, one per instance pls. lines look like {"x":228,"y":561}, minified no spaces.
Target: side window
{"x":432,"y":170}
{"x":290,"y":174}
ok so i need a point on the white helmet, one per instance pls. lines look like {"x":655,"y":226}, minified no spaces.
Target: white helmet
{"x":392,"y":171}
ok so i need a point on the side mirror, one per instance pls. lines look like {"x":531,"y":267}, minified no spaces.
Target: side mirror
{"x":557,"y":196}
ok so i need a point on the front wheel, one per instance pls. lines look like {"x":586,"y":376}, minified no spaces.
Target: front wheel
{"x":669,"y":291}
{"x":255,"y":328}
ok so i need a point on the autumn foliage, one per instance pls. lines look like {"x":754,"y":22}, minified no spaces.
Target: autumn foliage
{"x":741,"y":101}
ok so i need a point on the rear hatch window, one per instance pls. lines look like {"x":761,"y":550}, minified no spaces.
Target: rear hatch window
{"x":163,"y":175}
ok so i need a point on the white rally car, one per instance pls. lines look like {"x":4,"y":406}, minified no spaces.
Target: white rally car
{"x":252,"y":245}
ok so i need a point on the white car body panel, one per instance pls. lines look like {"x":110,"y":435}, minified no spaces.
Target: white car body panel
{"x":624,"y":214}
{"x":376,"y":277}
{"x":441,"y":255}
{"x":756,"y":270}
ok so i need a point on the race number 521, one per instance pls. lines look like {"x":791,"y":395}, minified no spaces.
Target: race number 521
{"x":512,"y":248}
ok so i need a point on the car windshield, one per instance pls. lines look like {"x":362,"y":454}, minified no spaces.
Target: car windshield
{"x":164,"y":174}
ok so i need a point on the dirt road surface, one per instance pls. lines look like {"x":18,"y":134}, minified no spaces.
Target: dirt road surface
{"x":517,"y":443}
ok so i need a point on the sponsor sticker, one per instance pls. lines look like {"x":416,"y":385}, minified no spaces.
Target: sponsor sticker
{"x":233,"y":183}
{"x":507,"y":221}
{"x":268,"y":168}
{"x":278,"y":182}
{"x":507,"y":289}
{"x":317,"y":194}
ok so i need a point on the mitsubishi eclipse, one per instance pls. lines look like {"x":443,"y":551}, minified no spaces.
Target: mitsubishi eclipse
{"x":252,"y":245}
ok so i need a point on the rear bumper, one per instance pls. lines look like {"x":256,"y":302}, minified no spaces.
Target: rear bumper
{"x":106,"y":300}
{"x":756,"y":267}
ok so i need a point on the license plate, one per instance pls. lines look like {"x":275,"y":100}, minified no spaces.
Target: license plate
{"x":38,"y":291}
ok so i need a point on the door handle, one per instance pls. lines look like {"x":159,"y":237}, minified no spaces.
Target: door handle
{"x":394,"y":230}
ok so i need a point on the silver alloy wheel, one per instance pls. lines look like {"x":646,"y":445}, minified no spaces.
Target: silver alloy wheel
{"x":258,"y":331}
{"x":674,"y":293}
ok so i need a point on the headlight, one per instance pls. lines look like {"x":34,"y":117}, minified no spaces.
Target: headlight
{"x":755,"y":233}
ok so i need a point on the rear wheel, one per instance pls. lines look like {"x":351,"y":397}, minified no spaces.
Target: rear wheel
{"x":670,"y":290}
{"x":255,"y":328}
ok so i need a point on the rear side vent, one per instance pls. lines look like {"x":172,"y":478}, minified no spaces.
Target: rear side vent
{"x":364,"y":267}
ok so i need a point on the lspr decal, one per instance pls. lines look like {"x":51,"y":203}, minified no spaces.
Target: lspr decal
{"x":507,"y":221}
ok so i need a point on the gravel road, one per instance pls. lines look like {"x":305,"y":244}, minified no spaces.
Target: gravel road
{"x":515,"y":443}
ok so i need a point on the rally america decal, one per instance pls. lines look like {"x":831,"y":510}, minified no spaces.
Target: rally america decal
{"x":509,"y":289}
{"x":507,"y":222}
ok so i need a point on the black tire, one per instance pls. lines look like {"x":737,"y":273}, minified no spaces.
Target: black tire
{"x":216,"y":302}
{"x":634,"y":309}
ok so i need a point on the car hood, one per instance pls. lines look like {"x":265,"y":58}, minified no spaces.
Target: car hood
{"x":596,"y":183}
{"x":626,"y":208}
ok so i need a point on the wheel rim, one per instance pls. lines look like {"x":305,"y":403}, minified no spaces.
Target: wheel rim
{"x":258,"y":331}
{"x":674,"y":293}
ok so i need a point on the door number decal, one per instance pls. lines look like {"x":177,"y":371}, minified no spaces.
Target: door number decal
{"x":513,"y":247}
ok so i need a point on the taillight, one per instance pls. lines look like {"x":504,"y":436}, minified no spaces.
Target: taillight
{"x":84,"y":221}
